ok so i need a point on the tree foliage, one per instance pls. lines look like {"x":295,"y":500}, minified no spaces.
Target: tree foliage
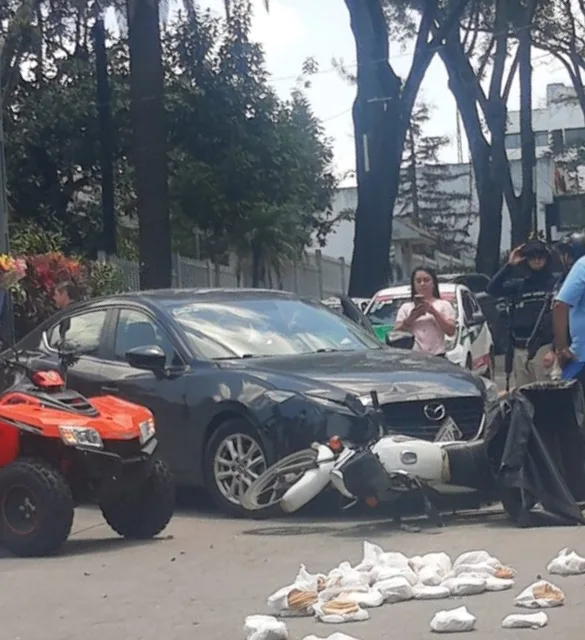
{"x":433,"y":195}
{"x":239,"y":157}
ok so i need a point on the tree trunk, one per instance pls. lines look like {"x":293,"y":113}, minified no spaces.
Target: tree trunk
{"x":526,"y":213}
{"x":149,"y":131}
{"x":413,"y":178}
{"x":487,"y":182}
{"x":380,"y":132}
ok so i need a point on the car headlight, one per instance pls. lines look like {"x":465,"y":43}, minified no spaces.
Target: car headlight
{"x":80,"y":437}
{"x":492,"y":394}
{"x":147,"y":430}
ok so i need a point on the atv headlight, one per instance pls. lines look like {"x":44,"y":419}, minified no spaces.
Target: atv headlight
{"x":147,"y":430}
{"x":81,"y":437}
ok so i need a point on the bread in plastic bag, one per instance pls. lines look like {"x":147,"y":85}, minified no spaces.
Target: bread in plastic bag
{"x":293,"y":601}
{"x":260,"y":627}
{"x":394,"y":590}
{"x":567,"y":563}
{"x":467,"y":584}
{"x":365,"y":597}
{"x":338,"y":611}
{"x":453,"y":621}
{"x":540,"y":595}
{"x":426,"y":592}
{"x":525,"y":620}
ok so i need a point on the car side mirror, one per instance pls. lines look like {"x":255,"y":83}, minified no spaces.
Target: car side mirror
{"x":149,"y":357}
{"x":400,"y":340}
{"x":477,"y":319}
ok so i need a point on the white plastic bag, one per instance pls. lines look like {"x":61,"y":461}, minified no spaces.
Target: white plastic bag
{"x":567,"y":563}
{"x":440,"y":560}
{"x":431,"y":575}
{"x":424,"y":592}
{"x":386,"y":571}
{"x":453,"y":621}
{"x":525,"y":620}
{"x":366,"y":597}
{"x":540,"y":595}
{"x":476,"y":558}
{"x":264,"y":628}
{"x":375,"y":555}
{"x":345,"y":576}
{"x":497,"y":584}
{"x":309,"y":581}
{"x":467,"y":584}
{"x":340,"y":611}
{"x":334,"y":636}
{"x":394,"y":590}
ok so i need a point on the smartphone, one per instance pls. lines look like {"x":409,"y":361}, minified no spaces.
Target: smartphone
{"x":418,"y":300}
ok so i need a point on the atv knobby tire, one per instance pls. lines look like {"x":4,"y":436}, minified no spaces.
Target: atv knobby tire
{"x":145,"y":511}
{"x":49,"y":501}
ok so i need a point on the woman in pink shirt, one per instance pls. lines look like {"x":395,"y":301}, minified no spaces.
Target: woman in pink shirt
{"x":427,"y":317}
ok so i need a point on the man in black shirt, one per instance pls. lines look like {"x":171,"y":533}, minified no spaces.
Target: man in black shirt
{"x":526,"y":281}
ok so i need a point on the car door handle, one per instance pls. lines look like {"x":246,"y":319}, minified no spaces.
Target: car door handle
{"x":110,"y":388}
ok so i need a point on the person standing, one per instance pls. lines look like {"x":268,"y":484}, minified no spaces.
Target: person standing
{"x":525,"y":281}
{"x":569,"y":310}
{"x":426,"y":316}
{"x":65,"y":293}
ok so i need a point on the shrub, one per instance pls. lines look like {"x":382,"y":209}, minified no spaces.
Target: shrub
{"x":33,"y":296}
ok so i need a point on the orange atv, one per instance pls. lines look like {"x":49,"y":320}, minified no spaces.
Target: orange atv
{"x":58,"y":448}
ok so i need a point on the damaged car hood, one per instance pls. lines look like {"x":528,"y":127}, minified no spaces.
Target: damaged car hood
{"x":396,"y":375}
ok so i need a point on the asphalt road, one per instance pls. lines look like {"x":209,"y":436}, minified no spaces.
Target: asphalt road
{"x":206,"y":574}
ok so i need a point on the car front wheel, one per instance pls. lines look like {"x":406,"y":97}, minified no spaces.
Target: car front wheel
{"x":234,"y":458}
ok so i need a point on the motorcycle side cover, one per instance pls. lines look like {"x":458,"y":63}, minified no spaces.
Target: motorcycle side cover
{"x":535,"y":441}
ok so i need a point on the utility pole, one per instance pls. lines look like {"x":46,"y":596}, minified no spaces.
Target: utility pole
{"x":104,"y":109}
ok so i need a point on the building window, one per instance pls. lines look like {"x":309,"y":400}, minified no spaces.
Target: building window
{"x":574,"y":137}
{"x":541,"y":139}
{"x":557,"y":140}
{"x":513,"y":141}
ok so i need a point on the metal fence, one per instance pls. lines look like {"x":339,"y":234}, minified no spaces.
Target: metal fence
{"x":315,"y":275}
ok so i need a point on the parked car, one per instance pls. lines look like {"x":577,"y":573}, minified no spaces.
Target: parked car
{"x":239,"y":378}
{"x":494,"y":309}
{"x":472,"y":345}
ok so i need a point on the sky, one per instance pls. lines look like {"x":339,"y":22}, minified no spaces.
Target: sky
{"x":295,"y":30}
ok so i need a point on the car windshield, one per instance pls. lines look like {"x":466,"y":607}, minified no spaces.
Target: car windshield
{"x":384,"y":309}
{"x":257,"y":327}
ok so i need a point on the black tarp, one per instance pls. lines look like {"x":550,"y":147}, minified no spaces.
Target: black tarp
{"x":535,"y":441}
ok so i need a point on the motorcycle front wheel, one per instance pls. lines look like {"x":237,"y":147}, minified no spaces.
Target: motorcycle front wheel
{"x":267,"y":490}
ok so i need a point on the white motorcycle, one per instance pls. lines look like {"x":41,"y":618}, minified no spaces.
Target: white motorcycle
{"x":382,"y":471}
{"x":532,"y":451}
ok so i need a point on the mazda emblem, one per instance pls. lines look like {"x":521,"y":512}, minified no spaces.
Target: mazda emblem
{"x":434,"y":411}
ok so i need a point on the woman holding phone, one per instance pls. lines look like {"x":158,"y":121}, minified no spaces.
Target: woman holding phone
{"x":426,"y":316}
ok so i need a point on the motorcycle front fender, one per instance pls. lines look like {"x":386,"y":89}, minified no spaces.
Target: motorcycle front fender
{"x":311,"y":483}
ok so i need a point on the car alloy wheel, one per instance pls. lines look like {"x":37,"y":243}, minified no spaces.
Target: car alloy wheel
{"x":238,"y":462}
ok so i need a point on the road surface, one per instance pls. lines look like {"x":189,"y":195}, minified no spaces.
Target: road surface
{"x":208,"y":574}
